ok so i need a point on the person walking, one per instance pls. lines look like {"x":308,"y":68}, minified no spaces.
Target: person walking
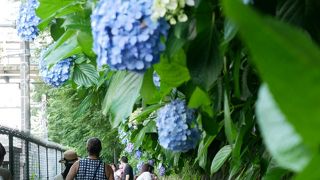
{"x":69,"y":158}
{"x":145,"y":173}
{"x":4,"y":173}
{"x":91,"y":167}
{"x":127,"y":172}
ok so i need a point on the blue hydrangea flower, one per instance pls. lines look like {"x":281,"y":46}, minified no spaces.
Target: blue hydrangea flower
{"x":138,"y":154}
{"x":151,"y":162}
{"x":28,"y":21}
{"x":129,"y":148}
{"x":139,"y":165}
{"x":58,"y":74}
{"x":162,"y":170}
{"x":156,"y":79}
{"x":177,"y":127}
{"x":122,"y":136}
{"x":124,"y":35}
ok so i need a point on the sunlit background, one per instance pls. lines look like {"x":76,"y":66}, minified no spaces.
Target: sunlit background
{"x":11,"y":52}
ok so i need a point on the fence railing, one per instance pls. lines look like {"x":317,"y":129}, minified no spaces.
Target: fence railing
{"x":29,"y":157}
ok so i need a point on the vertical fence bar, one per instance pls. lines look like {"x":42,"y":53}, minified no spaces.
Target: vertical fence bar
{"x":39,"y":169}
{"x":47,"y":163}
{"x":56,"y":161}
{"x":27,"y":159}
{"x":11,"y":154}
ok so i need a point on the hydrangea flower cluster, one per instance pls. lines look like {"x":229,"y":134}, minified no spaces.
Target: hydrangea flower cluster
{"x":139,"y":165}
{"x":156,"y":79}
{"x":58,"y":74}
{"x":124,"y":35}
{"x":129,"y":148}
{"x":28,"y":21}
{"x":123,"y":136}
{"x":177,"y":128}
{"x":162,"y":170}
{"x":172,"y":10}
{"x":151,"y":162}
{"x":138,"y":154}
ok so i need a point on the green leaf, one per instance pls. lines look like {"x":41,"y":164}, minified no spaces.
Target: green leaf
{"x":149,"y":93}
{"x":121,"y":95}
{"x":219,"y":159}
{"x":199,"y":98}
{"x":85,"y":40}
{"x":204,"y":60}
{"x":228,"y":125}
{"x":280,"y":137}
{"x":209,"y":124}
{"x":230,"y":31}
{"x":56,"y":30}
{"x":147,"y":111}
{"x":173,"y":45}
{"x":149,"y":128}
{"x":65,"y":47}
{"x":312,"y":170}
{"x":289,"y":62}
{"x":49,"y":10}
{"x":173,"y":71}
{"x":78,"y":20}
{"x":203,"y":149}
{"x":275,"y":173}
{"x":85,"y":75}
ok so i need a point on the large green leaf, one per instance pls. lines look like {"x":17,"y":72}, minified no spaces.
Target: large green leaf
{"x":289,"y":62}
{"x":56,"y":30}
{"x":219,"y":159}
{"x":229,"y":127}
{"x":173,"y":71}
{"x":312,"y":170}
{"x":280,"y":137}
{"x":199,"y":98}
{"x":203,"y":149}
{"x":122,"y":93}
{"x":204,"y":60}
{"x":66,"y":46}
{"x":49,"y":9}
{"x":149,"y":93}
{"x":274,"y":173}
{"x":85,"y":40}
{"x":85,"y":75}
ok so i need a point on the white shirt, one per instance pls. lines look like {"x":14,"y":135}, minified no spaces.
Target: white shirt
{"x":145,"y":176}
{"x":58,"y":177}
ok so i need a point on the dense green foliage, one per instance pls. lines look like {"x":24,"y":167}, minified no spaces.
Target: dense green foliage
{"x":71,"y":129}
{"x":250,"y":71}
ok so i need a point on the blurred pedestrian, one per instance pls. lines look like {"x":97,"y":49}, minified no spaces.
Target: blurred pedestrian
{"x":145,"y":173}
{"x":127,"y":172}
{"x":69,"y":158}
{"x":4,"y":173}
{"x":91,"y":167}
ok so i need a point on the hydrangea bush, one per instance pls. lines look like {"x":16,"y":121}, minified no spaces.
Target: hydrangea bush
{"x":139,"y":165}
{"x":177,"y":128}
{"x":162,"y":170}
{"x":28,"y":21}
{"x":172,"y":10}
{"x":125,"y":36}
{"x":58,"y":74}
{"x":129,"y":148}
{"x":138,"y":154}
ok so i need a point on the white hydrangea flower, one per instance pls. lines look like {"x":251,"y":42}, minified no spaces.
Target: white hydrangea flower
{"x":171,"y":10}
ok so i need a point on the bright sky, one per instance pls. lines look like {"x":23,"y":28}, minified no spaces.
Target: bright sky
{"x":8,"y":10}
{"x":9,"y":93}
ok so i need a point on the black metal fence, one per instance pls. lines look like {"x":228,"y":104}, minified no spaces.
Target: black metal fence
{"x":29,"y":157}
